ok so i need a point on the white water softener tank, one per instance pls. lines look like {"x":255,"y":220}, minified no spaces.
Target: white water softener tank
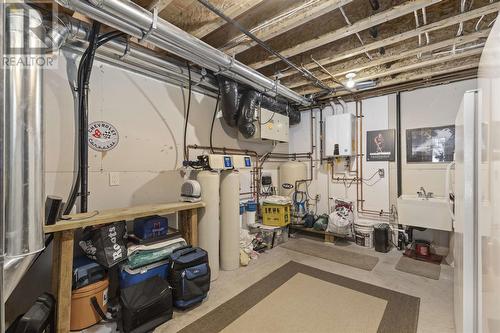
{"x":288,"y":174}
{"x":229,"y":220}
{"x":208,"y":223}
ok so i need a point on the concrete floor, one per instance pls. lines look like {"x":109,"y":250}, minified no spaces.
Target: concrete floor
{"x":436,"y":296}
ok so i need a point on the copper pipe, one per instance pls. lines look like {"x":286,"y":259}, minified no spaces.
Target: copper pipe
{"x":360,"y":201}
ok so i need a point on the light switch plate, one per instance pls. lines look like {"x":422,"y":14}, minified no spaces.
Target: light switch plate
{"x":114,"y":179}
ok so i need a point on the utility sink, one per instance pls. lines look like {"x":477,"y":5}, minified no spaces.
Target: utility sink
{"x":430,"y":213}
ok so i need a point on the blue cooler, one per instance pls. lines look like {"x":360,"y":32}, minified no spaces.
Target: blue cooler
{"x":129,"y":277}
{"x":151,"y":227}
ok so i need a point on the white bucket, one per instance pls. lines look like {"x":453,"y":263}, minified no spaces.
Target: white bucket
{"x":363,"y":233}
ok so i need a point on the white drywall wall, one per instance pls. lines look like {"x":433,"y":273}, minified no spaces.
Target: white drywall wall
{"x":376,"y":196}
{"x":429,"y":107}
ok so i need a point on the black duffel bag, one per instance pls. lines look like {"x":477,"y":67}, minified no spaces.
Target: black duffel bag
{"x":107,"y":244}
{"x":145,"y":305}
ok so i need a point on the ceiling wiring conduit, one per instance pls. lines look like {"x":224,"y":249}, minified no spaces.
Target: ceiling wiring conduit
{"x":129,"y":17}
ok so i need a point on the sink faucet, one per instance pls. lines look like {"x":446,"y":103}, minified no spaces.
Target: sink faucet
{"x":424,"y":194}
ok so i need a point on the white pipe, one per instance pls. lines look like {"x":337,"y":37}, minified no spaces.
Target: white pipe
{"x":424,"y":18}
{"x":165,"y":35}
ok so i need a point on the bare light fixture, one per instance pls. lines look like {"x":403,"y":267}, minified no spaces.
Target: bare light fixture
{"x":350,"y":80}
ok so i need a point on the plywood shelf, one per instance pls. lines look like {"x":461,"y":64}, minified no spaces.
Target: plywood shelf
{"x":95,"y":218}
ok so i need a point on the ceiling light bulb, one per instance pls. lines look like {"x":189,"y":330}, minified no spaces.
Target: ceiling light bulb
{"x":350,"y":83}
{"x":350,"y":75}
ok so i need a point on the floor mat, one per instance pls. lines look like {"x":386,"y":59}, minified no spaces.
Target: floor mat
{"x":332,"y":253}
{"x":341,"y":305}
{"x":418,"y":267}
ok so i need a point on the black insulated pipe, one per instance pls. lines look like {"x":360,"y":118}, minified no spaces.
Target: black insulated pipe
{"x":398,"y":144}
{"x":374,"y":4}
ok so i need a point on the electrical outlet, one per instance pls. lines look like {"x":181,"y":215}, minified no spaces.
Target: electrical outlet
{"x":114,"y":179}
{"x":381,"y":173}
{"x":318,"y":197}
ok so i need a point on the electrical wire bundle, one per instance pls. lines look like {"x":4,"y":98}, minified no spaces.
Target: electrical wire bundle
{"x":83,"y":79}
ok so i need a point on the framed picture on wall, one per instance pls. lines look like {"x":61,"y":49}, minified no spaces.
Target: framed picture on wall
{"x":430,"y":145}
{"x":380,"y":145}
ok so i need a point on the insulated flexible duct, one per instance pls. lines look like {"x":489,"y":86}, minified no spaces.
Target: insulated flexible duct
{"x":249,"y":104}
{"x":229,"y":100}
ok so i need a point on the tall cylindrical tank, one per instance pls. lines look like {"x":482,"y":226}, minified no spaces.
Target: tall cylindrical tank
{"x":229,"y":220}
{"x":288,"y":173}
{"x":208,"y":224}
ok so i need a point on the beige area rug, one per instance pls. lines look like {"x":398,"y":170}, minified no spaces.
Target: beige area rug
{"x":418,"y":267}
{"x":298,"y":298}
{"x":332,"y":253}
{"x":325,"y":305}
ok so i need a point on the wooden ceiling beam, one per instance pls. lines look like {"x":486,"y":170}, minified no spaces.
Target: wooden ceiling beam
{"x":284,"y":22}
{"x":485,"y":10}
{"x":352,"y":66}
{"x":159,"y":4}
{"x":406,"y":67}
{"x":234,"y":11}
{"x":427,"y":73}
{"x":444,"y":77}
{"x":371,"y":21}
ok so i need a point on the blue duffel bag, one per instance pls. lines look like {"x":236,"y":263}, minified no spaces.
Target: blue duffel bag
{"x":189,"y":276}
{"x":150,"y":227}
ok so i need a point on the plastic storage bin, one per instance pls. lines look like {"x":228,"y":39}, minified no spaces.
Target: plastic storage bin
{"x":272,"y":236}
{"x":129,"y":277}
{"x":275,"y":215}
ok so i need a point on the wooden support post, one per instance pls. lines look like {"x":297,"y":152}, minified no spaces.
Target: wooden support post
{"x":329,"y":238}
{"x":188,"y":226}
{"x":193,"y":226}
{"x":62,"y":270}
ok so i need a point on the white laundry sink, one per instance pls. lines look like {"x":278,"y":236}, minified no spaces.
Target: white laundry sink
{"x":427,"y":213}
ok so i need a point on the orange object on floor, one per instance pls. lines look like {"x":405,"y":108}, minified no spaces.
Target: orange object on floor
{"x":83,"y":314}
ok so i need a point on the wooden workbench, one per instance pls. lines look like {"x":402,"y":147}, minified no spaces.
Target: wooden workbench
{"x":64,"y":233}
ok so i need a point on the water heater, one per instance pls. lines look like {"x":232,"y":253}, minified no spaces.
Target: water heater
{"x":288,"y":174}
{"x":340,"y":135}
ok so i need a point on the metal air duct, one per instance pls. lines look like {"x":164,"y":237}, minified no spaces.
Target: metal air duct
{"x":22,"y":208}
{"x":128,"y":16}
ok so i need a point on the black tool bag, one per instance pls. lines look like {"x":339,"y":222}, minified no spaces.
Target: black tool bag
{"x":145,"y":305}
{"x":189,"y":276}
{"x":106,"y":244}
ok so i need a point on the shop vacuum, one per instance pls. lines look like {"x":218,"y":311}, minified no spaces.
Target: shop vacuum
{"x":382,"y":233}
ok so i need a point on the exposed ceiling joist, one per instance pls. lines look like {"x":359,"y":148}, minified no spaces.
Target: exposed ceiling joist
{"x":159,"y":4}
{"x":444,"y":78}
{"x":422,"y":75}
{"x":485,"y":10}
{"x":344,"y":68}
{"x":374,"y":20}
{"x":234,"y":11}
{"x":406,"y":67}
{"x":287,"y":21}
